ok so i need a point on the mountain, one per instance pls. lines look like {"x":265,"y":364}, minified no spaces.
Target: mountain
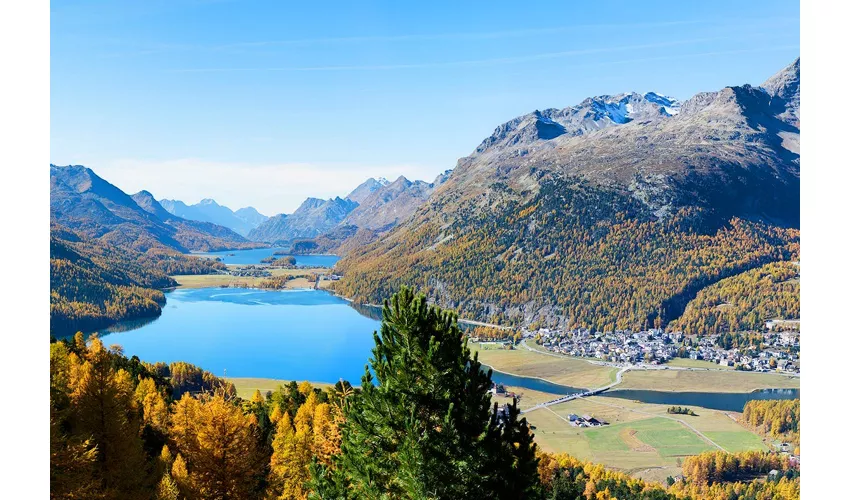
{"x":609,"y":214}
{"x":389,"y":204}
{"x":363,"y":191}
{"x":82,"y":201}
{"x":314,"y":217}
{"x":784,"y":88}
{"x":241,"y":221}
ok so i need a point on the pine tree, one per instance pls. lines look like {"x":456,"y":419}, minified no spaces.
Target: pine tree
{"x":426,"y":429}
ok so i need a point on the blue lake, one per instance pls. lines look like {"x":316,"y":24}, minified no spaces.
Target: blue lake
{"x":312,"y":335}
{"x":255,"y":255}
{"x":292,"y":334}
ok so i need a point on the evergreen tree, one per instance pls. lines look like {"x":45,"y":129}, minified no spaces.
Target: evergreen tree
{"x":426,"y":429}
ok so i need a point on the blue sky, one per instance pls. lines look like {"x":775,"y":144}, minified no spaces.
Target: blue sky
{"x":265,"y":103}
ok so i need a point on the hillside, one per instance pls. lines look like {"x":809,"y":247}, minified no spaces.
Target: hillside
{"x":82,"y":201}
{"x":745,"y":301}
{"x":94,"y":284}
{"x":241,"y":221}
{"x":610,"y":214}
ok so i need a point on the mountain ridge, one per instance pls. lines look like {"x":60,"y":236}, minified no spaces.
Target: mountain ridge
{"x":724,"y":164}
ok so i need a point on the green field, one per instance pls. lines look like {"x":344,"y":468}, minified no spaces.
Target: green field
{"x":560,"y":370}
{"x":642,"y":439}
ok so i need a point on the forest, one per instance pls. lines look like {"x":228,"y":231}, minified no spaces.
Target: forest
{"x":94,"y":284}
{"x":574,"y":255}
{"x":777,"y":419}
{"x":745,"y":301}
{"x":420,"y":425}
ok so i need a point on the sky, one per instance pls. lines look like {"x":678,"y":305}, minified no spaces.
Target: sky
{"x":264,"y":103}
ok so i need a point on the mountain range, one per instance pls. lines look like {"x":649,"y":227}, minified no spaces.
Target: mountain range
{"x":241,"y":221}
{"x":375,"y":206}
{"x":611,"y":213}
{"x":82,"y":201}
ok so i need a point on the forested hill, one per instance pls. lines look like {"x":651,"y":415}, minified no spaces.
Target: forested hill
{"x":93,"y":284}
{"x":610,"y":214}
{"x":83,"y":201}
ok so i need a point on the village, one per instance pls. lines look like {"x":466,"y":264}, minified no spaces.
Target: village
{"x":776,"y":351}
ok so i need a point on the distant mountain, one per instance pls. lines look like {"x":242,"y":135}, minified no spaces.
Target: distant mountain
{"x":82,"y":201}
{"x":242,"y":221}
{"x":609,"y":214}
{"x":314,"y":217}
{"x":388,"y":204}
{"x":363,"y":191}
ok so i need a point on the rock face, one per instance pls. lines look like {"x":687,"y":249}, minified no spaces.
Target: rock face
{"x":241,"y":221}
{"x":312,"y":218}
{"x":592,"y":114}
{"x":82,"y":201}
{"x":731,"y":150}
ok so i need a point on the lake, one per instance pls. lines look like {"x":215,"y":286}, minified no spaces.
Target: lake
{"x":291,"y":334}
{"x":255,"y":255}
{"x":312,"y":335}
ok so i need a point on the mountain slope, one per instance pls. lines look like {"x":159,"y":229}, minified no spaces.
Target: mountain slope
{"x":312,"y":218}
{"x":609,"y":214}
{"x":84,"y":202}
{"x":241,"y":221}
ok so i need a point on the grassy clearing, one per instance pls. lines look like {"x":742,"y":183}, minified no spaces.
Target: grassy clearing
{"x":697,"y":363}
{"x":706,"y":381}
{"x":640,"y":439}
{"x":565,"y":371}
{"x":245,"y":386}
{"x":216,"y":280}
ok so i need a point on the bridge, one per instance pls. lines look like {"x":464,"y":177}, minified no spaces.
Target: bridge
{"x":570,"y":397}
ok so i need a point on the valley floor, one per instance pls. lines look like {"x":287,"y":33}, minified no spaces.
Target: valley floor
{"x":299,"y":279}
{"x":642,"y":439}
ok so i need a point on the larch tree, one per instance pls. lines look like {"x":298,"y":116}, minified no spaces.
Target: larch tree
{"x":103,"y":407}
{"x":218,"y":445}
